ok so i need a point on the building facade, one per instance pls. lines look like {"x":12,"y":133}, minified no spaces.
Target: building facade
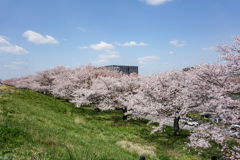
{"x":124,"y":69}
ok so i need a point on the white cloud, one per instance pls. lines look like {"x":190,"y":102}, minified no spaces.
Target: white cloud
{"x":155,"y":2}
{"x":82,"y":29}
{"x":170,"y":52}
{"x":5,"y":46}
{"x":101,"y":61}
{"x":132,"y":43}
{"x":108,"y":48}
{"x":107,"y":56}
{"x":112,"y":52}
{"x":4,"y":37}
{"x":147,"y":59}
{"x":38,"y":38}
{"x":20,"y":62}
{"x":11,"y":66}
{"x":84,"y":47}
{"x":65,"y":39}
{"x":209,"y":48}
{"x":177,"y":43}
{"x":103,"y":58}
{"x":102,"y":46}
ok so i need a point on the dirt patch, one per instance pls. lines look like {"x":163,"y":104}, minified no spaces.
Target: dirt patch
{"x":140,"y":149}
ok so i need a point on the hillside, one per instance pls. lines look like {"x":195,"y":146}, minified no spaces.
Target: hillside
{"x":36,"y":126}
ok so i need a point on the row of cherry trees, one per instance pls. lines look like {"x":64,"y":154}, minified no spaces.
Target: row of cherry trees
{"x":172,"y":94}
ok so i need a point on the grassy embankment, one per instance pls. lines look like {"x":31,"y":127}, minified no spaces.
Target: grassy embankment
{"x":36,"y":126}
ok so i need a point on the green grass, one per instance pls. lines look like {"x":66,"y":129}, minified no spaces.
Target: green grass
{"x":36,"y":126}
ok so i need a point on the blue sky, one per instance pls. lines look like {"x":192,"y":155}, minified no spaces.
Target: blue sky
{"x":156,"y":35}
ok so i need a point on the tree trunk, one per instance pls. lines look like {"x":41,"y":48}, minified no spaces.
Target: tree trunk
{"x":176,"y":126}
{"x":97,"y":109}
{"x":124,"y":110}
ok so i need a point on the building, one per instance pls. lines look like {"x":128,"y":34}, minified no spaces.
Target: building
{"x":187,"y":69}
{"x":124,"y":69}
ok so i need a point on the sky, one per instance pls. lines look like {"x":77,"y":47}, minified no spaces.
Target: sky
{"x":155,"y":35}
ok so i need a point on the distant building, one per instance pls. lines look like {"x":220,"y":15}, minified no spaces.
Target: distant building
{"x":188,"y":68}
{"x":124,"y":69}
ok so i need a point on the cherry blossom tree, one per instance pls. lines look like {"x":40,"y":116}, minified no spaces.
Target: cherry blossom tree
{"x":163,"y":95}
{"x":219,"y":83}
{"x":11,"y":82}
{"x":108,"y":93}
{"x":25,"y":82}
{"x":78,"y":79}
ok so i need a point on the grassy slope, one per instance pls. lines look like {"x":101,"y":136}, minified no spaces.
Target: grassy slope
{"x":36,"y":126}
{"x":4,"y":88}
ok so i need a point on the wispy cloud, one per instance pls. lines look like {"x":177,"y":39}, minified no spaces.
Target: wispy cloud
{"x":169,"y":52}
{"x":132,"y":43}
{"x":84,"y":47}
{"x":147,"y":59}
{"x":20,"y":62}
{"x":82,"y":29}
{"x":209,"y":48}
{"x":155,"y":2}
{"x":110,"y":54}
{"x":65,"y":39}
{"x":178,"y":43}
{"x":11,"y":67}
{"x":100,"y":61}
{"x":38,"y":38}
{"x":107,"y":56}
{"x":5,"y":46}
{"x":102,"y":46}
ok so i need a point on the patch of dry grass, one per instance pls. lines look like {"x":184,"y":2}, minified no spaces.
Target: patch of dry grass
{"x":140,"y":149}
{"x":4,"y":87}
{"x":79,"y":120}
